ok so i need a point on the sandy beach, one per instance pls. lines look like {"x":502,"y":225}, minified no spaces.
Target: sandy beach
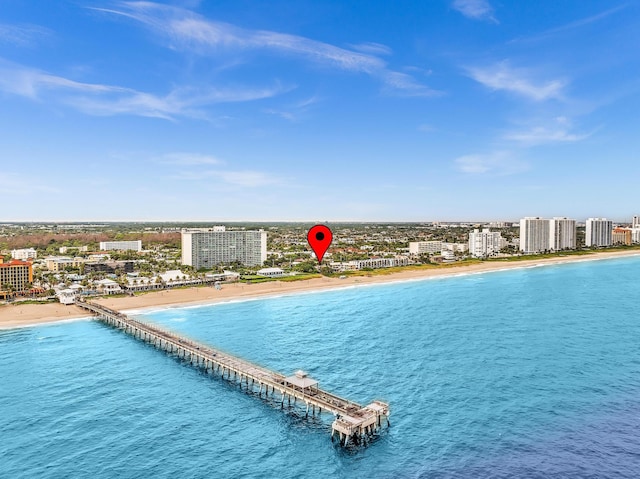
{"x":15,"y":316}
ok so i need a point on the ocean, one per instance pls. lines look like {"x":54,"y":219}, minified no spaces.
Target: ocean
{"x":532,"y":372}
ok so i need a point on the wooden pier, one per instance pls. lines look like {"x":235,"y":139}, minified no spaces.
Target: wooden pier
{"x":353,"y":422}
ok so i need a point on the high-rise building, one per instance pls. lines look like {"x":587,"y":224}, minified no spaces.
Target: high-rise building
{"x":635,"y":222}
{"x":562,"y":234}
{"x":484,"y":243}
{"x":15,"y":275}
{"x":598,"y":232}
{"x":121,"y":245}
{"x":208,"y":247}
{"x":534,"y":235}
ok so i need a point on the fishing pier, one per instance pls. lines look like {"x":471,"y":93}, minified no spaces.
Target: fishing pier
{"x":353,"y":422}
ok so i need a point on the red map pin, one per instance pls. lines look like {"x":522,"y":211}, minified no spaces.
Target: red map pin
{"x":319,"y":238}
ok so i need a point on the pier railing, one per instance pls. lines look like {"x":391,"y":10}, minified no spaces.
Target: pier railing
{"x":353,"y":422}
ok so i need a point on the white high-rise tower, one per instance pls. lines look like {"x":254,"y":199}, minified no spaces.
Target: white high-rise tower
{"x":598,"y":232}
{"x":205,"y":248}
{"x":562,"y":234}
{"x":534,"y":235}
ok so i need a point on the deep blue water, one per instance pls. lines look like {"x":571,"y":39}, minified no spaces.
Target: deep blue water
{"x":523,"y":373}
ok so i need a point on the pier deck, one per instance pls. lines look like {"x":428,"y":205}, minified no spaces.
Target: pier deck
{"x":352,"y":420}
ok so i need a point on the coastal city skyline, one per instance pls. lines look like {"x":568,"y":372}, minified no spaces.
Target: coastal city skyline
{"x":461,"y":110}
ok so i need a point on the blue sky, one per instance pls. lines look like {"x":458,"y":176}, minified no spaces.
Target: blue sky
{"x":319,"y":110}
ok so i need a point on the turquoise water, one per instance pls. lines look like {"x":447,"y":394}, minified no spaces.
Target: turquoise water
{"x":523,"y":373}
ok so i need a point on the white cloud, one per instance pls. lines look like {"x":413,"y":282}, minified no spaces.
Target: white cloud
{"x":237,"y":178}
{"x":189,"y":159}
{"x":22,"y":35}
{"x":540,"y":135}
{"x":13,"y":184}
{"x":547,"y":34}
{"x":286,"y":115}
{"x":475,"y":9}
{"x":295,"y":110}
{"x":405,"y":85}
{"x":498,"y":163}
{"x":190,"y":31}
{"x":247,"y":178}
{"x":503,"y":77}
{"x":372,"y":48}
{"x":106,"y":100}
{"x":557,"y":130}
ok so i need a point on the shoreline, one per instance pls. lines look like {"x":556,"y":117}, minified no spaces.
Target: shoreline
{"x":27,"y":315}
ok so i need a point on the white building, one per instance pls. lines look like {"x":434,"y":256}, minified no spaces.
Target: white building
{"x":67,"y":296}
{"x":67,"y":249}
{"x":373,"y":263}
{"x":205,"y":248}
{"x":121,"y":245}
{"x":271,"y":272}
{"x":24,"y":254}
{"x":562,"y":234}
{"x":108,"y":286}
{"x":484,"y":243}
{"x":425,"y":247}
{"x":635,"y":235}
{"x":455,"y":247}
{"x":534,"y":235}
{"x":448,"y":256}
{"x":599,"y":232}
{"x":635,"y":222}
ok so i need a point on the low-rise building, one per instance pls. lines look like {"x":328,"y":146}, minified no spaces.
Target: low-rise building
{"x":108,"y":286}
{"x":271,"y":272}
{"x":455,"y":247}
{"x":109,"y":267}
{"x":229,"y":276}
{"x":60,"y":263}
{"x":121,"y":245}
{"x":67,"y":296}
{"x":66,"y":249}
{"x":24,"y":254}
{"x":425,"y":247}
{"x":621,"y":236}
{"x":373,"y":263}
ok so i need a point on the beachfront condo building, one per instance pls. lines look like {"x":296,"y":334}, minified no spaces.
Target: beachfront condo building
{"x":484,"y":243}
{"x":562,"y":234}
{"x":425,"y":247}
{"x":121,"y":245}
{"x":15,"y":276}
{"x":635,"y":222}
{"x":621,"y":236}
{"x":208,"y":247}
{"x":598,"y":232}
{"x":534,"y":235}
